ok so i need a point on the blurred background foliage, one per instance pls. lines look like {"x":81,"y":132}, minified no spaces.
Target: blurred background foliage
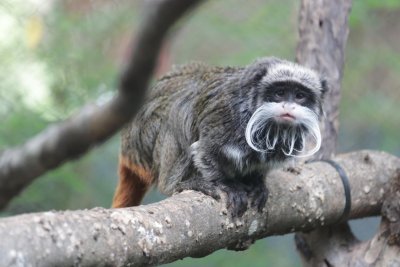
{"x":57,"y":55}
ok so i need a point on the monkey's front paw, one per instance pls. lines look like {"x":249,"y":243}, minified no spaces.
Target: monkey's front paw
{"x":237,"y":197}
{"x":258,"y":195}
{"x":236,"y":192}
{"x":208,"y":188}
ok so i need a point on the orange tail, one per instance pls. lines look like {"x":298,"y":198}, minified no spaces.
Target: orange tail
{"x":134,"y":181}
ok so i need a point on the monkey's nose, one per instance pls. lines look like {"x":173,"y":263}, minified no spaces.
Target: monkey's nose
{"x":288,"y":106}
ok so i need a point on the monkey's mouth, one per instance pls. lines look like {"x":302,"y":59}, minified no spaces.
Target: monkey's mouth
{"x":286,"y":117}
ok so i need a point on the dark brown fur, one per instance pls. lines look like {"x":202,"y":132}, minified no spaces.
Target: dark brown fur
{"x":134,"y":181}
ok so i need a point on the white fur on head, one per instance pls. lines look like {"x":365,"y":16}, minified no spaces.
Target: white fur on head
{"x":262,"y":119}
{"x":288,"y":71}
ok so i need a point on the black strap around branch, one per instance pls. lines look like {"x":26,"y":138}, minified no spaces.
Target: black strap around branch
{"x":346,"y":186}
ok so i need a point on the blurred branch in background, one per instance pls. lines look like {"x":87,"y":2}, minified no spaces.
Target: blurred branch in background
{"x":72,"y":138}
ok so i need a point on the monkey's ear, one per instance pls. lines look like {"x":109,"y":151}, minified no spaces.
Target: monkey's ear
{"x":254,"y":72}
{"x":324,"y":87}
{"x":251,"y":76}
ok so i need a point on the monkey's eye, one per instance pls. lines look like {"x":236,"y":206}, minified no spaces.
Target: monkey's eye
{"x":300,"y":96}
{"x":280,"y":93}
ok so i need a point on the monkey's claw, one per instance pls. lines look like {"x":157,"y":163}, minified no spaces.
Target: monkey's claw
{"x":258,"y":196}
{"x":237,"y":196}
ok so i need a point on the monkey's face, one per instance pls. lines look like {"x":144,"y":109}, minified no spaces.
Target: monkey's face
{"x":288,"y":114}
{"x":294,"y":99}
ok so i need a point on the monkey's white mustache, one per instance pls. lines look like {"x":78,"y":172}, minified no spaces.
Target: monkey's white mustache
{"x":262,"y":121}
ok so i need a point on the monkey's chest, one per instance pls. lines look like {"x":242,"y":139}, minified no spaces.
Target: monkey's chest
{"x":238,"y":162}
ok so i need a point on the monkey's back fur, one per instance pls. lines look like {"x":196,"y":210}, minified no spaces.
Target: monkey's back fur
{"x":165,"y":127}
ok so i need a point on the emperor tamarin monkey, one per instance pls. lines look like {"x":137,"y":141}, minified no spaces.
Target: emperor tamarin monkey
{"x":216,"y":129}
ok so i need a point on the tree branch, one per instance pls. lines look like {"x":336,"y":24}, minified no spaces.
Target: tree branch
{"x":337,"y":246}
{"x":73,"y":137}
{"x":301,"y":199}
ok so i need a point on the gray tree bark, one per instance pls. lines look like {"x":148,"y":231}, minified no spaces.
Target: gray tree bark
{"x":192,"y":224}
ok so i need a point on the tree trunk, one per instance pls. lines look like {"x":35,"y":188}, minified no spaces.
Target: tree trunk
{"x":323,"y":31}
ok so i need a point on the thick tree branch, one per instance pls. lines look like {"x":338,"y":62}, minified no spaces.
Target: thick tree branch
{"x":192,"y":224}
{"x":336,"y":245}
{"x":72,"y":138}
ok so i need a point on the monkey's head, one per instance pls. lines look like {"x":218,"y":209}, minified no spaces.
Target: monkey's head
{"x":286,"y":108}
